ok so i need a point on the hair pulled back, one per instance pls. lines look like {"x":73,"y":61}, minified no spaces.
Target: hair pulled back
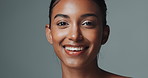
{"x":101,"y":4}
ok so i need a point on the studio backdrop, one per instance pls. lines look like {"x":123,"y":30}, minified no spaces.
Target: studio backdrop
{"x":25,"y":52}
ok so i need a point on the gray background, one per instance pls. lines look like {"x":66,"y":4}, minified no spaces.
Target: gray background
{"x":25,"y":52}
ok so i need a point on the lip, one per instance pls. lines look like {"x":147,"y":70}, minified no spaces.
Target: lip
{"x":75,"y":52}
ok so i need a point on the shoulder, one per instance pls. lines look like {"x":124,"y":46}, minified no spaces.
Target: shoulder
{"x":117,"y":76}
{"x":111,"y":75}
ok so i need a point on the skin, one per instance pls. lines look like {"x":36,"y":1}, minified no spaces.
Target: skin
{"x":78,"y":23}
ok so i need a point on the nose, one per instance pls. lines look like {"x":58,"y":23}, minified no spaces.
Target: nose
{"x":75,"y":34}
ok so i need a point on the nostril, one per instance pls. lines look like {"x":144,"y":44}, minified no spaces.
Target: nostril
{"x":76,"y":37}
{"x":81,"y":37}
{"x":75,"y":34}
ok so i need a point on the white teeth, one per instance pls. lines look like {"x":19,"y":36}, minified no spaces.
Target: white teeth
{"x":74,"y":48}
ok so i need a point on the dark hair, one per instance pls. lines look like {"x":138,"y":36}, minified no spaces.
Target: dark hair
{"x":101,"y":4}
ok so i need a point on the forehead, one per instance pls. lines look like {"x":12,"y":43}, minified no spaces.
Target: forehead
{"x":76,"y":6}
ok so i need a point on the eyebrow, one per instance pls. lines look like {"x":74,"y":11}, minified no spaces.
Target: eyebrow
{"x":61,"y":15}
{"x":83,"y":16}
{"x":88,"y":15}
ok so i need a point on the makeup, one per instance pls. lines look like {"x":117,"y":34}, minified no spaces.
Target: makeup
{"x":75,"y":50}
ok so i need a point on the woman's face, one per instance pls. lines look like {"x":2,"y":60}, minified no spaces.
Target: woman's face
{"x":76,"y":31}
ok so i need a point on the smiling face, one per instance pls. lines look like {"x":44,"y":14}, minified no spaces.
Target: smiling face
{"x":76,"y":31}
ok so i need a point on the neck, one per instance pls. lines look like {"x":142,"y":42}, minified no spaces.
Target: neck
{"x":89,"y":71}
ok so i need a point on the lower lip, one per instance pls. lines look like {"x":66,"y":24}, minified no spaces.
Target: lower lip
{"x":73,"y":53}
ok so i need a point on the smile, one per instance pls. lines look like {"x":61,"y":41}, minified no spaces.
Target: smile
{"x":75,"y":50}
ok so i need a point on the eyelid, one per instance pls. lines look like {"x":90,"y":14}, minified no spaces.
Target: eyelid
{"x":89,"y":24}
{"x":61,"y":21}
{"x":88,"y":21}
{"x":62,"y":24}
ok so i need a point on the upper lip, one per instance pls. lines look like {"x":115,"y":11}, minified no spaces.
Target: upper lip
{"x":75,"y":45}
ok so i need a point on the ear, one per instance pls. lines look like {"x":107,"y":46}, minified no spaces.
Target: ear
{"x":48,"y":33}
{"x":105,"y":35}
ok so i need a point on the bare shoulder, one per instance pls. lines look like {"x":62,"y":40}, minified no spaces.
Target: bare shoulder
{"x":111,"y":75}
{"x":117,"y":76}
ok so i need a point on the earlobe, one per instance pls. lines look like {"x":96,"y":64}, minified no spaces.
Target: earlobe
{"x":48,"y":33}
{"x":105,"y":35}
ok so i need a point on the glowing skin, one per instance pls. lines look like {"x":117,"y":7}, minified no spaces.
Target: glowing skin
{"x":73,"y":17}
{"x":76,"y":33}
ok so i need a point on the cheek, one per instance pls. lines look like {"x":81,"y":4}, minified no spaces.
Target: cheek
{"x":58,"y":35}
{"x":94,"y":36}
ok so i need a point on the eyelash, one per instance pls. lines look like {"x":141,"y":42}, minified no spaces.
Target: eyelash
{"x":62,"y":23}
{"x":87,"y":23}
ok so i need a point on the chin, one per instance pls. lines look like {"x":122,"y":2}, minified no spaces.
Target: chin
{"x":74,"y":63}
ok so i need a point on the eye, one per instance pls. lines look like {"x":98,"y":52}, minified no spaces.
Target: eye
{"x":62,"y":23}
{"x":87,"y":23}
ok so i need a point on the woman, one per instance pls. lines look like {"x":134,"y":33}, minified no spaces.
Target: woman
{"x":77,"y":30}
